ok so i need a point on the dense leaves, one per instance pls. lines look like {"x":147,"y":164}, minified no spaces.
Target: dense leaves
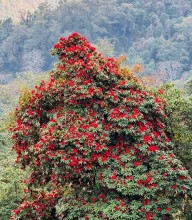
{"x":179,"y":124}
{"x":11,"y":176}
{"x":11,"y":184}
{"x":96,"y":143}
{"x":179,"y":128}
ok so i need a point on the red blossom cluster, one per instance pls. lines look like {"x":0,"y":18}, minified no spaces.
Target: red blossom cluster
{"x":97,"y":140}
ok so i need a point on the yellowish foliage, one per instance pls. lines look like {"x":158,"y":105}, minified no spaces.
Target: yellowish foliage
{"x":7,"y":124}
{"x":12,"y":119}
{"x":61,"y":80}
{"x":137,"y":68}
{"x":25,"y":96}
{"x":121,"y":58}
{"x":148,"y":80}
{"x":67,"y":190}
{"x":128,"y":74}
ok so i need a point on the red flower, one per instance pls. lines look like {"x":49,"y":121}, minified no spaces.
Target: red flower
{"x":129,"y":126}
{"x":122,"y":82}
{"x":174,"y":186}
{"x":114,"y":177}
{"x":102,"y":196}
{"x":142,"y":128}
{"x":152,"y":148}
{"x":156,"y":134}
{"x":16,"y":211}
{"x":122,"y":115}
{"x":75,"y":150}
{"x":149,"y":215}
{"x":152,"y":185}
{"x":147,"y":138}
{"x":58,"y":46}
{"x":137,"y":163}
{"x":128,"y":177}
{"x":94,"y":199}
{"x":148,"y":180}
{"x":161,"y":91}
{"x":157,"y":100}
{"x":70,"y":83}
{"x":90,"y":91}
{"x":30,"y":112}
{"x":62,"y":39}
{"x":167,"y":139}
{"x":100,"y":176}
{"x":104,"y":159}
{"x":139,"y":182}
{"x":168,"y":209}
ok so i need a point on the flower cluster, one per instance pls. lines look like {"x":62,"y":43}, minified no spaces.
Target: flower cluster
{"x":95,"y":142}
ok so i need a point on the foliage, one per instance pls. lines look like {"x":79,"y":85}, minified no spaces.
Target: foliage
{"x":179,"y":129}
{"x":11,"y":176}
{"x":11,"y":184}
{"x":188,"y":86}
{"x":96,"y":143}
{"x":179,"y":123}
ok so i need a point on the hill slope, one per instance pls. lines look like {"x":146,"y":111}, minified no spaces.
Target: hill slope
{"x":156,"y":34}
{"x":13,"y":9}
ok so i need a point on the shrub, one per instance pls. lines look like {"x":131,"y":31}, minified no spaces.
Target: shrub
{"x":96,"y":143}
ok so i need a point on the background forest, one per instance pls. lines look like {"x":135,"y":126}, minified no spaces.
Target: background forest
{"x":156,"y":34}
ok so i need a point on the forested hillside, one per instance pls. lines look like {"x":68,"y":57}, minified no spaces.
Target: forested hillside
{"x":156,"y":34}
{"x":17,"y":9}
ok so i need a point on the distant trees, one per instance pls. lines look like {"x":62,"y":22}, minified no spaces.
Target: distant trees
{"x":32,"y":61}
{"x":6,"y":28}
{"x":156,"y":31}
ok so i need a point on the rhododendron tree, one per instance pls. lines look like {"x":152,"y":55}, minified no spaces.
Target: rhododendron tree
{"x":95,"y":142}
